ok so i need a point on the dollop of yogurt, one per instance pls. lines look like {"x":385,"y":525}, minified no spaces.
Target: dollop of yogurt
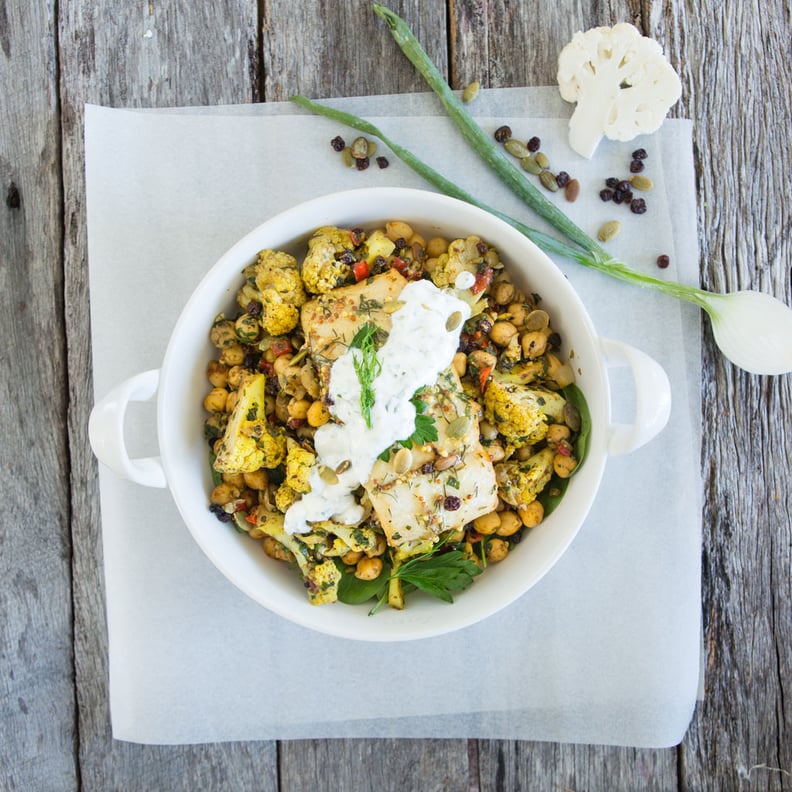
{"x":422,"y":343}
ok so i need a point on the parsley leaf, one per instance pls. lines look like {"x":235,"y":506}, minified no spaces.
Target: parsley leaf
{"x":439,"y":574}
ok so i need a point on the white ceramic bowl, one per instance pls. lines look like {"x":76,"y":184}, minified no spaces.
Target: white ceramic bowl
{"x":181,"y":383}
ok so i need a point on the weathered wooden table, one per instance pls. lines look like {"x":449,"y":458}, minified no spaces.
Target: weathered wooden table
{"x":734,"y":59}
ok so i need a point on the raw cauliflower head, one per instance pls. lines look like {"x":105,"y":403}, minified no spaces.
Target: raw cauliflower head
{"x":621,"y":81}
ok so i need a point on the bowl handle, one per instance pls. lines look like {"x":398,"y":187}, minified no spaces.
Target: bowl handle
{"x":652,"y":397}
{"x":106,"y":431}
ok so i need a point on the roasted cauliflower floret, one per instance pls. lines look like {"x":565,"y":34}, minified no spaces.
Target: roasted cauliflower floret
{"x":249,"y":441}
{"x":299,"y":463}
{"x":322,"y":271}
{"x":520,"y":482}
{"x":274,"y":282}
{"x":322,"y":580}
{"x":521,"y":413}
{"x":463,"y":256}
{"x":285,"y":496}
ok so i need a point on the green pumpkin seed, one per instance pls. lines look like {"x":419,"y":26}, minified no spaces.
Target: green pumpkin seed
{"x":537,"y":320}
{"x":346,"y":156}
{"x":402,"y":460}
{"x":327,"y":475}
{"x":541,"y":159}
{"x":359,"y":148}
{"x":517,"y":148}
{"x":391,"y":306}
{"x":548,"y":180}
{"x":641,"y":182}
{"x":531,"y":165}
{"x":371,"y":148}
{"x":609,"y":230}
{"x":458,"y":426}
{"x":454,"y":321}
{"x":343,"y":467}
{"x":471,"y":92}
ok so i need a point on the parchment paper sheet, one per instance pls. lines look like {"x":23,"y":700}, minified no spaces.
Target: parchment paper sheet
{"x":605,"y":649}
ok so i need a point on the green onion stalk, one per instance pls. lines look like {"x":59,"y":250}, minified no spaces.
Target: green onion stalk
{"x":752,"y":329}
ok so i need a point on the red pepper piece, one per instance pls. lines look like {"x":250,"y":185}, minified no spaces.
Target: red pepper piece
{"x":280,"y":346}
{"x":484,"y":375}
{"x":483,"y":279}
{"x":399,"y":264}
{"x":361,"y":270}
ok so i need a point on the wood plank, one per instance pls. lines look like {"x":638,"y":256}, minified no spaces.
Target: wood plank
{"x":325,"y":49}
{"x":37,"y":710}
{"x":374,"y":765}
{"x":741,"y":736}
{"x":131,"y":55}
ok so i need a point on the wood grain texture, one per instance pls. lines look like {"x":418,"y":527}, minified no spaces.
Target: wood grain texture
{"x":735,"y":67}
{"x":131,"y":55}
{"x":374,"y":765}
{"x":37,"y":711}
{"x":741,"y":737}
{"x":325,"y":49}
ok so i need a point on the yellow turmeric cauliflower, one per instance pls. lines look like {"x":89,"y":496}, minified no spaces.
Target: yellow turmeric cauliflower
{"x":274,"y":282}
{"x":299,"y":463}
{"x":249,"y":442}
{"x":521,"y":414}
{"x":520,"y":482}
{"x":321,"y":270}
{"x":285,"y":496}
{"x":323,"y":580}
{"x":463,"y":256}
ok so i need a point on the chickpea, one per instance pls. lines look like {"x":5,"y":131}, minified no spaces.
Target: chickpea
{"x":397,"y":229}
{"x":496,"y":452}
{"x":518,"y":312}
{"x":459,"y":363}
{"x":556,"y":433}
{"x":215,"y":400}
{"x":531,"y":514}
{"x":503,"y":292}
{"x":298,"y":408}
{"x":436,"y":246}
{"x":351,"y":557}
{"x":231,"y":400}
{"x":247,"y":328}
{"x":510,"y":523}
{"x":524,"y":452}
{"x":488,"y":523}
{"x":235,"y":479}
{"x":317,"y":414}
{"x":430,"y":265}
{"x":268,"y":355}
{"x":276,"y":550}
{"x":223,"y":334}
{"x":281,"y":363}
{"x":233,"y":355}
{"x":368,"y":568}
{"x":217,"y":374}
{"x":281,"y":406}
{"x":235,"y":374}
{"x":257,"y":480}
{"x":223,"y":493}
{"x":534,"y":344}
{"x":417,"y":239}
{"x":492,"y":259}
{"x":480,"y":359}
{"x":502,"y":333}
{"x":497,"y":550}
{"x":488,"y":430}
{"x":309,"y":380}
{"x":564,"y":465}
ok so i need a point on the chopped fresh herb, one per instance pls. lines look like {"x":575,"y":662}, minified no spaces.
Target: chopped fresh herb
{"x":217,"y":477}
{"x":453,"y":482}
{"x":439,"y":574}
{"x":367,"y":367}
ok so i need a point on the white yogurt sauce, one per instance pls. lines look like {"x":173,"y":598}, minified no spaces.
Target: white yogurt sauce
{"x":418,"y":348}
